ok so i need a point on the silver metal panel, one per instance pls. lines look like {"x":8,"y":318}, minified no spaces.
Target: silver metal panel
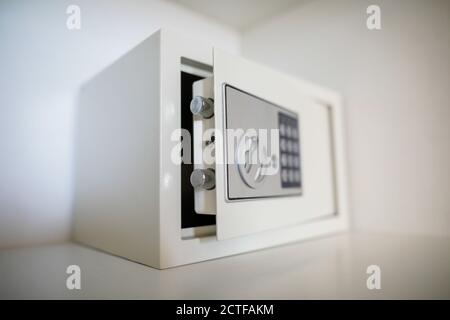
{"x":263,"y":149}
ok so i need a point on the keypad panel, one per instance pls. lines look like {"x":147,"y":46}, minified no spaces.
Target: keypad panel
{"x":289,"y":151}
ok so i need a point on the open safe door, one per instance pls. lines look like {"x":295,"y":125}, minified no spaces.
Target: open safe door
{"x":275,"y":161}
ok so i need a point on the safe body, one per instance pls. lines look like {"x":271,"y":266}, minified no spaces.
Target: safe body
{"x":133,"y":200}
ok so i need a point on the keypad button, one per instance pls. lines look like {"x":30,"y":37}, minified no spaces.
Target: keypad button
{"x":294,"y":133}
{"x":282,"y":129}
{"x":288,"y":131}
{"x":284,"y":175}
{"x":283,"y":144}
{"x":291,"y":161}
{"x":284,"y":160}
{"x":291,"y":175}
{"x":288,"y":145}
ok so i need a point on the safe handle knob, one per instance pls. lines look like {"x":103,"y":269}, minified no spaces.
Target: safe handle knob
{"x":203,"y":178}
{"x":202,"y":106}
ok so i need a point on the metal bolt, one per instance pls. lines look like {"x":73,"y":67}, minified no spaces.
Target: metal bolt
{"x":202,"y":106}
{"x":203,"y":178}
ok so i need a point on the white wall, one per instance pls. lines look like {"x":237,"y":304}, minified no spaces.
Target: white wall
{"x":396,"y":86}
{"x":395,"y":83}
{"x":42,"y":64}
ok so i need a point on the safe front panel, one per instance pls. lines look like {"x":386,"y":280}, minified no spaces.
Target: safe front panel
{"x":249,"y":96}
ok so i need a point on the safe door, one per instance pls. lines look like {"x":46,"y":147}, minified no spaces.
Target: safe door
{"x":273,"y":149}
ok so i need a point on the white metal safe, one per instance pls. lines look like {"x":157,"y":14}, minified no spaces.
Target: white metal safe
{"x":172,"y":164}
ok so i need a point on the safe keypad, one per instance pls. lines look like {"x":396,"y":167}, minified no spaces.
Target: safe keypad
{"x":289,"y":151}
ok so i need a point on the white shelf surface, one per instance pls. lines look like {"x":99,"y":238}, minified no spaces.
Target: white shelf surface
{"x":412,"y":267}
